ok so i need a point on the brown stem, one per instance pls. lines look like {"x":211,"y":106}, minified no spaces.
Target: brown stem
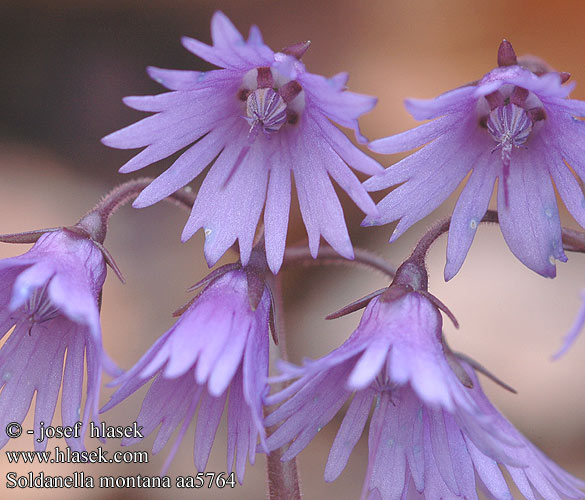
{"x":95,"y":222}
{"x":127,"y":191}
{"x":422,"y":247}
{"x":573,"y":241}
{"x":283,"y":477}
{"x":328,"y":256}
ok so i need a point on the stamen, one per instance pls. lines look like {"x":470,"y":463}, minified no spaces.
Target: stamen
{"x":510,"y":127}
{"x":266,"y":108}
{"x":39,"y":308}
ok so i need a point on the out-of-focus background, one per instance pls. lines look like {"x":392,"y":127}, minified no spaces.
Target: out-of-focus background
{"x":67,"y":64}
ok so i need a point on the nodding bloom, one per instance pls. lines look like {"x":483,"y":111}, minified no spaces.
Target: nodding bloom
{"x":257,"y":120}
{"x":516,"y":125}
{"x":433,"y":431}
{"x":50,"y":296}
{"x":219,"y":345}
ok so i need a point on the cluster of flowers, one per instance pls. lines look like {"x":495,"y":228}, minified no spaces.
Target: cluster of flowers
{"x":255,"y":120}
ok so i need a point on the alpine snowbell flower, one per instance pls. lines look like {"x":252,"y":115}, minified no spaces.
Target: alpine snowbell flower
{"x":516,"y":125}
{"x":218,"y":345}
{"x":49,"y":303}
{"x":433,"y":431}
{"x":256,"y":120}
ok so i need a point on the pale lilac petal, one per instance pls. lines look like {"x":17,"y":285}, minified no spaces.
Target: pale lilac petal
{"x":570,"y":106}
{"x":49,"y":363}
{"x":449,"y":102}
{"x":207,"y":423}
{"x":73,"y":382}
{"x":415,"y":137}
{"x":188,"y":166}
{"x":338,"y":169}
{"x":255,"y":36}
{"x":469,"y":211}
{"x":349,"y":433}
{"x":277,"y":209}
{"x":344,"y":147}
{"x":223,"y":32}
{"x":567,"y":185}
{"x":30,"y":279}
{"x":369,"y":365}
{"x":74,"y":297}
{"x":488,"y":471}
{"x":224,"y":215}
{"x":175,"y":79}
{"x":406,"y":202}
{"x":320,"y":207}
{"x":17,"y":391}
{"x":255,"y":368}
{"x":227,"y":363}
{"x":417,"y":165}
{"x":440,"y":446}
{"x":530,"y":223}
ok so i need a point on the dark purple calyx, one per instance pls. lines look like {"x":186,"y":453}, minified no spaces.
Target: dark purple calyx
{"x":411,"y":277}
{"x":297,"y":50}
{"x":506,"y":54}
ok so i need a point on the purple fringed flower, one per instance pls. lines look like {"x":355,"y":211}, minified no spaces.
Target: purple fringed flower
{"x":50,"y":295}
{"x":219,"y":343}
{"x":429,"y":432}
{"x":256,"y":120}
{"x":517,"y":125}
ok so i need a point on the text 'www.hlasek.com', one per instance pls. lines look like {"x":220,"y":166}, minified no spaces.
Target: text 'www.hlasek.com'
{"x":82,"y":479}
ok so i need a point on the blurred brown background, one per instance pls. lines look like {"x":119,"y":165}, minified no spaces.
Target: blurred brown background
{"x":67,"y":64}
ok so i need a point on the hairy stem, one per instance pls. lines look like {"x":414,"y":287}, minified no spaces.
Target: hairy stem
{"x":128,"y":191}
{"x":283,"y":477}
{"x":422,"y":247}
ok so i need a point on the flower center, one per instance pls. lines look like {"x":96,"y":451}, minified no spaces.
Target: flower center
{"x":271,"y":101}
{"x":267,"y":109}
{"x":513,"y":113}
{"x":510,"y":127}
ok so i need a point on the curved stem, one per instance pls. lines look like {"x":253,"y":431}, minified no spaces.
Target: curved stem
{"x":328,"y":256}
{"x":283,"y":477}
{"x":95,"y":222}
{"x":422,"y":247}
{"x":573,"y":241}
{"x":128,"y":191}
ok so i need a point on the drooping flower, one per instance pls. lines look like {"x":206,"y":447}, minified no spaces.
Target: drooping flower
{"x":516,"y":125}
{"x":433,"y":431}
{"x":50,"y":296}
{"x":256,"y":120}
{"x":219,"y":345}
